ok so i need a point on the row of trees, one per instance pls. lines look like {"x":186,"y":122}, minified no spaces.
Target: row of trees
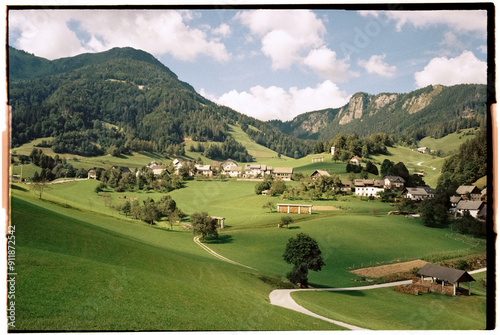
{"x":52,"y":167}
{"x":144,"y":180}
{"x":151,"y":211}
{"x":227,"y":149}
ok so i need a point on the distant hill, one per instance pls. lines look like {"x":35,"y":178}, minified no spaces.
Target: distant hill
{"x":431,"y":111}
{"x":122,"y":99}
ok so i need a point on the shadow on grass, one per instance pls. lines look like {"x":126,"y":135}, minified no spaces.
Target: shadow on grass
{"x":16,"y":187}
{"x":223,"y":239}
{"x":294,"y":227}
{"x":355,"y":293}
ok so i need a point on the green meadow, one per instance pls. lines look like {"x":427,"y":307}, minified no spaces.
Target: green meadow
{"x":386,"y":309}
{"x":85,"y":266}
{"x":80,"y":270}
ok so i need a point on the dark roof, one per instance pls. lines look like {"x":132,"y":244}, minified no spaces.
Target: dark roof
{"x":463,"y":189}
{"x":321,"y":173}
{"x":444,"y":273}
{"x":469,"y":205}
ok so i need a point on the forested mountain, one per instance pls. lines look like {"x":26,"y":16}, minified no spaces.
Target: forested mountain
{"x":431,"y":111}
{"x":117,"y":101}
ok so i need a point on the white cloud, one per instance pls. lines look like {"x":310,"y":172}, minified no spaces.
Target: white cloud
{"x":157,"y":32}
{"x":285,"y":35}
{"x":463,"y":69}
{"x":224,"y":30}
{"x":461,"y":20}
{"x":376,"y":65}
{"x":325,"y":64}
{"x":42,"y":35}
{"x":277,"y":103}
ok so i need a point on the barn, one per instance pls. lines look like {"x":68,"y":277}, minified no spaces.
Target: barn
{"x":294,"y":208}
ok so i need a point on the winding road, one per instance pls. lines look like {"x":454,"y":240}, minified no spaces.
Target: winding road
{"x":283,"y":297}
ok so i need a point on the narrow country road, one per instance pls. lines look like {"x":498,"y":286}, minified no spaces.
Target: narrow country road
{"x":284,"y":299}
{"x":196,"y":239}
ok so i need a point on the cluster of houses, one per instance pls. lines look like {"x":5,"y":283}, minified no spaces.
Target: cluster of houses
{"x":469,"y":200}
{"x":373,"y":187}
{"x":229,"y":168}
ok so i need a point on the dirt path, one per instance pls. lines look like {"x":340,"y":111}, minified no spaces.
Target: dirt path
{"x":284,"y":299}
{"x":196,"y":239}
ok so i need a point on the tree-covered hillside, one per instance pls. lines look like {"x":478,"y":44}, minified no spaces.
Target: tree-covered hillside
{"x":430,"y":111}
{"x":123,"y":99}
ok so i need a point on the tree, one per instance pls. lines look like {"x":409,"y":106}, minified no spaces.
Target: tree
{"x":269,"y":205}
{"x":286,"y":220}
{"x":386,"y":167}
{"x":39,"y":186}
{"x":205,"y":225}
{"x":304,"y":253}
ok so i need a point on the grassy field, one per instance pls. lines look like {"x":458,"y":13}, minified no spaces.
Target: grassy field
{"x":386,"y":309}
{"x":449,"y":143}
{"x":79,"y":257}
{"x":83,"y":271}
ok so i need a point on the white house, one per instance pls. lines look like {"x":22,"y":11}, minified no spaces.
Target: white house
{"x":284,"y":173}
{"x":204,"y":170}
{"x":469,"y":206}
{"x":356,"y":160}
{"x":395,"y":182}
{"x":419,"y":193}
{"x":257,"y":170}
{"x":228,"y":164}
{"x":368,"y":187}
{"x":233,"y":171}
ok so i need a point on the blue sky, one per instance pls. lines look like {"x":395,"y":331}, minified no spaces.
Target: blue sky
{"x":275,"y":64}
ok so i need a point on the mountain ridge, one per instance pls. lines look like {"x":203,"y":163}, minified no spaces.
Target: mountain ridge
{"x":435,"y":110}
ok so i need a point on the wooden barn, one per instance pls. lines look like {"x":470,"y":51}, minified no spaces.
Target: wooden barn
{"x":447,"y":277}
{"x":294,"y":208}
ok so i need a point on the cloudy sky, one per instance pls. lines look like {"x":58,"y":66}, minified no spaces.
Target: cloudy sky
{"x":275,"y":64}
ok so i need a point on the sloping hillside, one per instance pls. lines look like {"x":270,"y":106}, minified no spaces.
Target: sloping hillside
{"x":431,"y":111}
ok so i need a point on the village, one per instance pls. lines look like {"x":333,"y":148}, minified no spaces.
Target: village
{"x":468,"y":199}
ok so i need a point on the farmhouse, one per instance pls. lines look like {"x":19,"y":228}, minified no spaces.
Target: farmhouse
{"x":284,"y":173}
{"x":447,"y":277}
{"x":294,"y":208}
{"x":215,"y":166}
{"x":419,"y":193}
{"x":469,"y":192}
{"x":471,"y":207}
{"x":356,"y":160}
{"x":394,"y":182}
{"x":233,"y":171}
{"x":257,"y":170}
{"x":204,"y":170}
{"x":318,"y":159}
{"x":422,"y":150}
{"x":368,"y":187}
{"x":228,"y":163}
{"x":319,"y":173}
{"x":346,"y":186}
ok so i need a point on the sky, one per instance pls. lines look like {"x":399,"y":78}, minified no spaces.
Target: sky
{"x":275,"y":64}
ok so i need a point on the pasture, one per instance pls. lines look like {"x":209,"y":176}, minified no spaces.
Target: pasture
{"x":386,"y":309}
{"x":86,"y":271}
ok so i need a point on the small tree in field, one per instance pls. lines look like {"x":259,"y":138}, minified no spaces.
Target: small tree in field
{"x":286,"y":220}
{"x":269,"y":205}
{"x":39,"y":186}
{"x":203,"y":224}
{"x":304,"y":253}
